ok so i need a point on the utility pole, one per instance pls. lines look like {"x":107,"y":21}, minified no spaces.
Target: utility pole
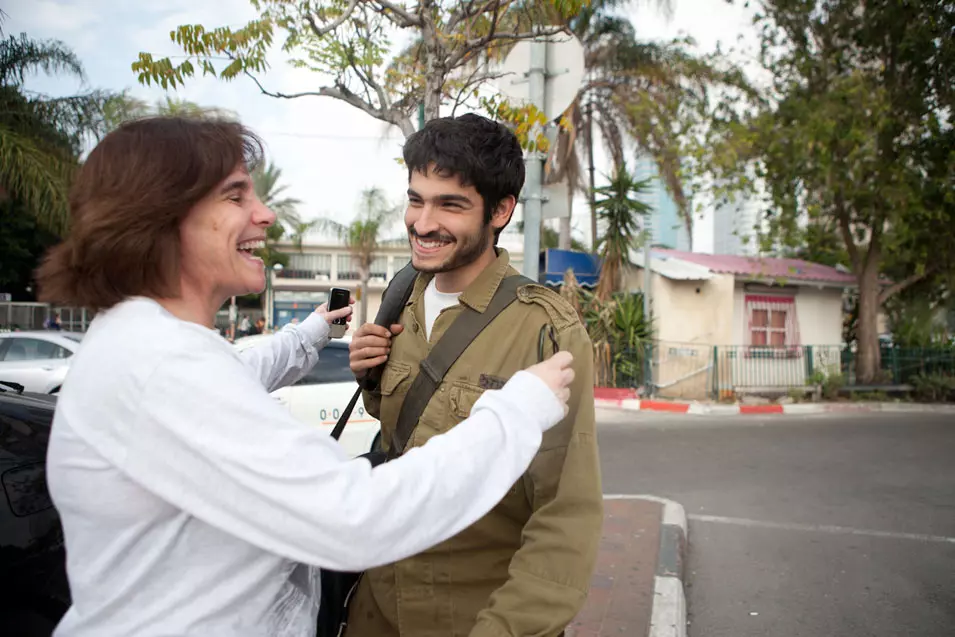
{"x":590,"y":169}
{"x":233,"y":317}
{"x":647,"y":300}
{"x":533,"y":184}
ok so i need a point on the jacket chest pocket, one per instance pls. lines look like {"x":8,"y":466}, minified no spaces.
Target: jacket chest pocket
{"x":462,"y":397}
{"x":395,"y":382}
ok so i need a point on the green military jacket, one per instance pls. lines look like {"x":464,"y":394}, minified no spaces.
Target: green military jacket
{"x":525,"y":568}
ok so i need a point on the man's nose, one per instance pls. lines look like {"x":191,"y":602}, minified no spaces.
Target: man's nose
{"x":426,"y":221}
{"x":262,"y":215}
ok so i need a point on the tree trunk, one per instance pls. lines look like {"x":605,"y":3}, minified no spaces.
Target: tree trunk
{"x":564,"y":241}
{"x":406,"y":127}
{"x":365,"y":275}
{"x":868,"y":361}
{"x":433,"y":83}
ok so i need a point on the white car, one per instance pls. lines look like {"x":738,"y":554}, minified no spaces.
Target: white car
{"x":38,"y":360}
{"x":319,"y":398}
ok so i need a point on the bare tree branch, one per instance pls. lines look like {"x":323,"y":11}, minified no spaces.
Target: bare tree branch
{"x":369,"y":83}
{"x":472,"y":10}
{"x":407,"y":20}
{"x":340,"y":92}
{"x":895,"y":288}
{"x":334,"y":24}
{"x":474,"y":79}
{"x":480,"y":43}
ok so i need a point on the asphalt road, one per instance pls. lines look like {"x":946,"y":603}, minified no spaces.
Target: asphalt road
{"x":802,"y":526}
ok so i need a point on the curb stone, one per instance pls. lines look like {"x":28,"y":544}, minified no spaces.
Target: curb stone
{"x":704,"y":409}
{"x":668,"y":613}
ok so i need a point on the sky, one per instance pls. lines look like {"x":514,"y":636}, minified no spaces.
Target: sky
{"x":328,"y":151}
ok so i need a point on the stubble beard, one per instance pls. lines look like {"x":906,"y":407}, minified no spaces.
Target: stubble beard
{"x":466,"y":251}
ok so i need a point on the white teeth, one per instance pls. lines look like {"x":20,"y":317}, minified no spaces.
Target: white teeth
{"x":251,"y":245}
{"x":430,"y":244}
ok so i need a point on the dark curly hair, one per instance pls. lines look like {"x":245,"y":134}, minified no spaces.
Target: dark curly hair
{"x":479,"y":151}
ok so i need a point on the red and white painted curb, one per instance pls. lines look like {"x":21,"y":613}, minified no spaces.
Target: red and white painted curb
{"x":626,"y":400}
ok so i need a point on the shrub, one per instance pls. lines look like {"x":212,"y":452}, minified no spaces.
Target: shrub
{"x":933,"y":388}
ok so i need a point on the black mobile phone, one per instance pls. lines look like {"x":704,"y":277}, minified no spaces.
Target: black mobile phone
{"x":337,"y":299}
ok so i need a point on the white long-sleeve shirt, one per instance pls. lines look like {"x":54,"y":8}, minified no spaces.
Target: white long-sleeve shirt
{"x":193,"y":504}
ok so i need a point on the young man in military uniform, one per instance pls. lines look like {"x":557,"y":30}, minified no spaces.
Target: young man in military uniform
{"x":525,"y":568}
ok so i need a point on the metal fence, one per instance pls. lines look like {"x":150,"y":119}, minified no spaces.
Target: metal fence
{"x":678,"y":370}
{"x":900,"y":365}
{"x":755,"y":370}
{"x":33,"y":316}
{"x":742,"y":369}
{"x":698,"y":371}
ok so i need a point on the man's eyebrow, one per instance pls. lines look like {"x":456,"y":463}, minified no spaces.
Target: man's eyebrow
{"x":235,"y":185}
{"x":443,"y":198}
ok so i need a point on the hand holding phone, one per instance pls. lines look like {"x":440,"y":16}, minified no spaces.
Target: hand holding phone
{"x":337,"y":299}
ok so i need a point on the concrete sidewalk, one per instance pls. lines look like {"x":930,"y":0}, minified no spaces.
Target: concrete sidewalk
{"x":637,"y":587}
{"x":627,"y":400}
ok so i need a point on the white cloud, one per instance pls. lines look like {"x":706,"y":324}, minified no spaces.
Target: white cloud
{"x":61,"y":17}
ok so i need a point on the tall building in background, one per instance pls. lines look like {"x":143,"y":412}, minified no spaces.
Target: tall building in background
{"x":733,"y":228}
{"x":667,"y":227}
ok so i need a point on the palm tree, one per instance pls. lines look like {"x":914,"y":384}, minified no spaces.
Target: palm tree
{"x":635,"y":91}
{"x":363,"y":236}
{"x":265,"y":180}
{"x":123,"y":107}
{"x":41,"y":137}
{"x":621,"y":214}
{"x":184,"y":108}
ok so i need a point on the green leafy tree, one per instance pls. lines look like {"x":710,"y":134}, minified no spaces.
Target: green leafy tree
{"x":347,"y":42}
{"x":41,"y":137}
{"x":818,"y":243}
{"x":22,"y":240}
{"x":854,"y":133}
{"x":363,"y":236}
{"x":621,"y":213}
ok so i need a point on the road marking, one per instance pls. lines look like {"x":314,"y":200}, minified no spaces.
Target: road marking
{"x":821,"y":528}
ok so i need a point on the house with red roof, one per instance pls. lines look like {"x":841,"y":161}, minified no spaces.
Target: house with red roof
{"x":731,"y":324}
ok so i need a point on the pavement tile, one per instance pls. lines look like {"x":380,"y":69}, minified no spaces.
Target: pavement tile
{"x":621,"y":590}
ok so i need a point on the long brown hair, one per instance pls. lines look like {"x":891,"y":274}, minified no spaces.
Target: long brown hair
{"x":128,"y":201}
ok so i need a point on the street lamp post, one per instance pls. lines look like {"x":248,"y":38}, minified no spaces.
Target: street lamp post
{"x":270,"y":295}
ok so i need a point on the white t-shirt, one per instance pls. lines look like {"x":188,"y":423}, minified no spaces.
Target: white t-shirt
{"x":434,"y":302}
{"x":191,"y":501}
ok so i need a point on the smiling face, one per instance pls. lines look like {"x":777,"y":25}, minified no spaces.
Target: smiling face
{"x":446,"y":224}
{"x":218,"y":237}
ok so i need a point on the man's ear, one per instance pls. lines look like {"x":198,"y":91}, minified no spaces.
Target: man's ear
{"x":503,"y":212}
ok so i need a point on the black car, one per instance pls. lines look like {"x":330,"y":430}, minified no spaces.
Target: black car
{"x":34,"y":593}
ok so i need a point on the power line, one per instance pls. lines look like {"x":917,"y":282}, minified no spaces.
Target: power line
{"x":327,"y":136}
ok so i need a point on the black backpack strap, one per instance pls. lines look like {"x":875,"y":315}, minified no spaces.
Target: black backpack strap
{"x":393,"y":302}
{"x":443,"y":355}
